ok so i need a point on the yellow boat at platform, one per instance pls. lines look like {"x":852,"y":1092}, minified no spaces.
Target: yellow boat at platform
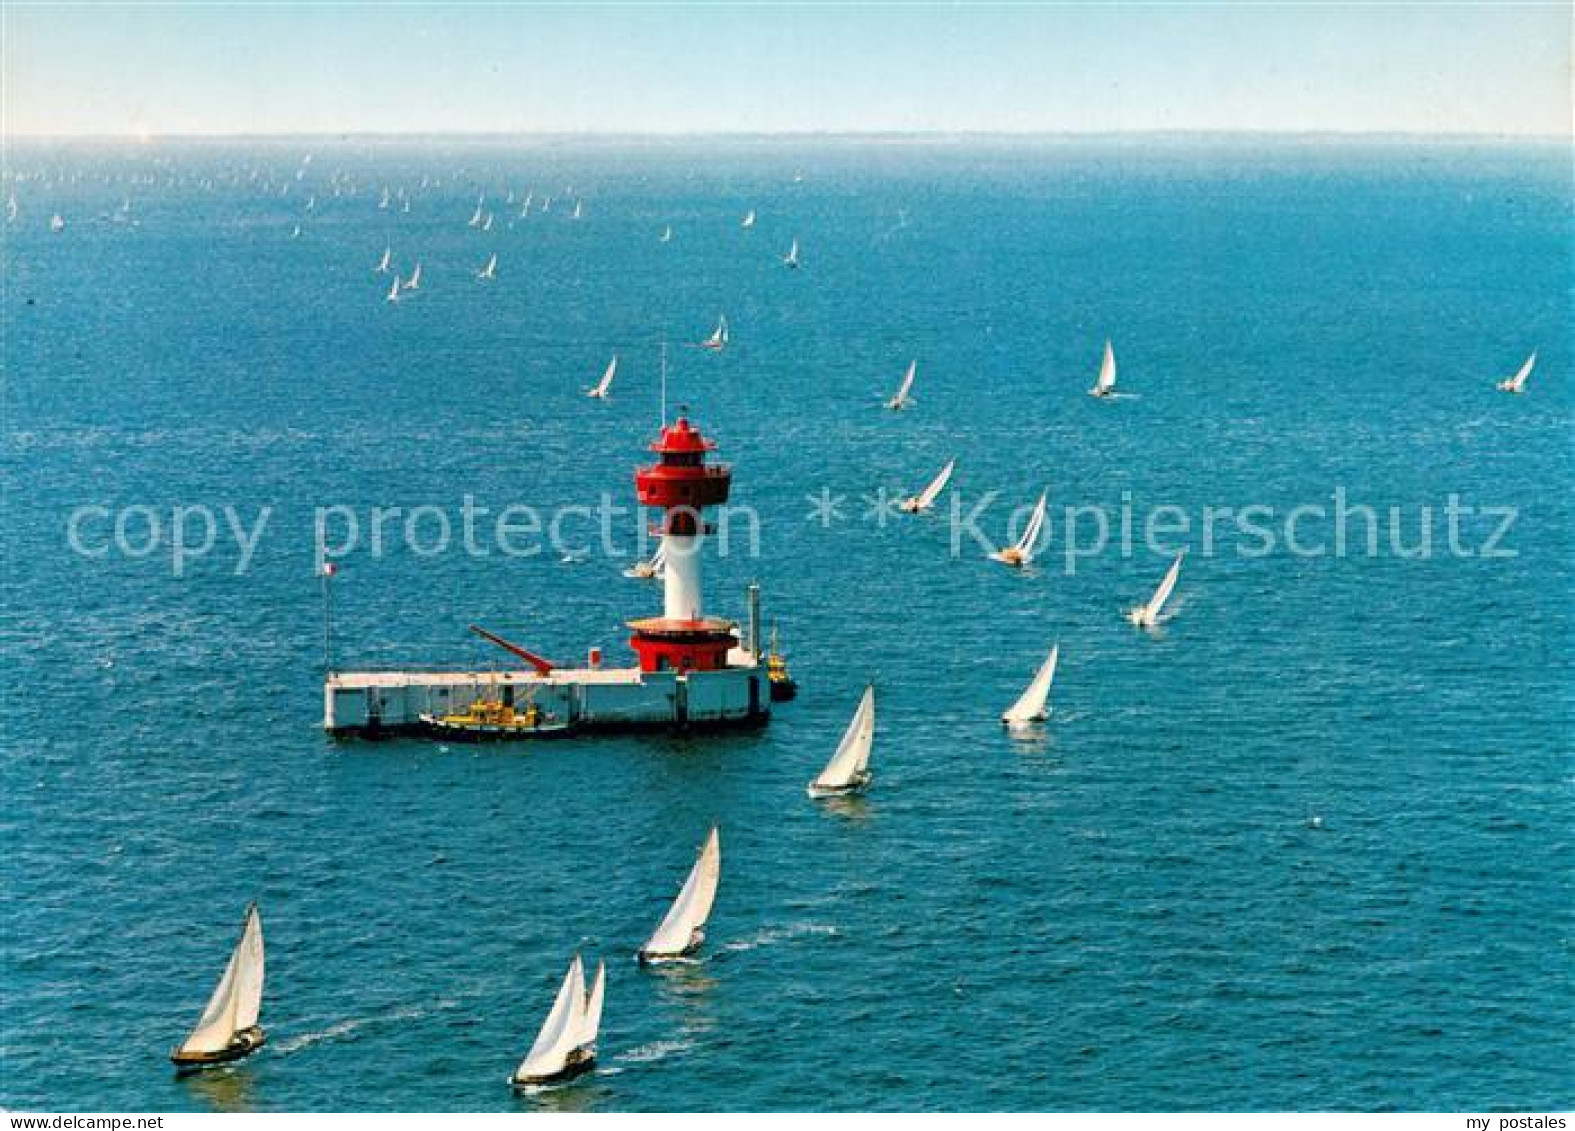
{"x":492,"y":720}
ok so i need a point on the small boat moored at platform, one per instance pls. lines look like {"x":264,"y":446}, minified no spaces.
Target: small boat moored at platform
{"x":492,"y":720}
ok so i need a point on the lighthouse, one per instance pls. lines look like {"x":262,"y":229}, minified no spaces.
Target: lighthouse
{"x":689,"y":674}
{"x":681,"y":485}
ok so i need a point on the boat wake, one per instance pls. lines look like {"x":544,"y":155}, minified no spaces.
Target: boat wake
{"x":768,"y":936}
{"x":654,"y":1051}
{"x":349,"y":1028}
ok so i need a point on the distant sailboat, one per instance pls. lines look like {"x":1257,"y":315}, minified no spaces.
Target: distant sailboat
{"x":1030,"y":705}
{"x":902,"y":400}
{"x":848,"y":770}
{"x":683,"y":930}
{"x":490,"y":271}
{"x":791,"y":258}
{"x":393,"y":290}
{"x":1105,"y":384}
{"x":654,"y":569}
{"x":414,"y":282}
{"x":1021,"y":552}
{"x":1148,"y":616}
{"x":566,"y":1046}
{"x":719,"y":337}
{"x":600,"y":390}
{"x":228,"y":1028}
{"x":579,"y":210}
{"x":667,"y":235}
{"x":1517,"y":383}
{"x":10,"y":208}
{"x":486,"y":225}
{"x":749,"y":219}
{"x":925,"y":499}
{"x":384,"y":263}
{"x":383,"y":202}
{"x":476,"y":216}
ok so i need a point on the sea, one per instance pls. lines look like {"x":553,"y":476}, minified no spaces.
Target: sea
{"x":1306,"y":845}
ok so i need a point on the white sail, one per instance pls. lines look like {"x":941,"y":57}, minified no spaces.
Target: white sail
{"x":681,"y":930}
{"x":901,"y":399}
{"x":1148,"y":615}
{"x":237,"y":999}
{"x":414,"y":282}
{"x":1030,"y":705}
{"x":384,"y":263}
{"x":1517,"y":383}
{"x":602,"y":386}
{"x":591,"y":1017}
{"x":667,"y":234}
{"x":475,"y":217}
{"x":718,"y":337}
{"x":490,"y":271}
{"x":749,"y":219}
{"x":848,"y":767}
{"x":560,"y":1033}
{"x":928,"y":496}
{"x":791,"y":259}
{"x":1029,"y":542}
{"x":1106,"y":381}
{"x":393,"y":290}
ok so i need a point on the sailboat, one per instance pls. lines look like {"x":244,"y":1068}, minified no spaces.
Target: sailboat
{"x":475,"y":217}
{"x":393,"y":290}
{"x":719,"y":336}
{"x":414,"y":282}
{"x":1021,"y":552}
{"x":579,"y":211}
{"x":683,"y":929}
{"x":384,"y":263}
{"x":1030,"y":705}
{"x":1147,"y":616}
{"x":653,"y":569}
{"x":1517,"y":383}
{"x":749,"y":219}
{"x":600,"y":391}
{"x":1105,"y":383}
{"x":848,"y":770}
{"x":490,"y":271}
{"x":666,"y":236}
{"x":925,"y":499}
{"x":486,"y":225}
{"x":566,"y":1046}
{"x":228,"y":1028}
{"x":902,"y":400}
{"x":383,"y":201}
{"x":791,"y":258}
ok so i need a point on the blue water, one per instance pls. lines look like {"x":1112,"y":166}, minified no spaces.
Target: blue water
{"x":1130,"y":910}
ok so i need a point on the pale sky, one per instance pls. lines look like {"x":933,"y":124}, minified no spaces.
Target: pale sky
{"x":178,"y":68}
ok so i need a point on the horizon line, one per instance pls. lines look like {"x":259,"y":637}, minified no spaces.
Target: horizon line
{"x":153,"y":136}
